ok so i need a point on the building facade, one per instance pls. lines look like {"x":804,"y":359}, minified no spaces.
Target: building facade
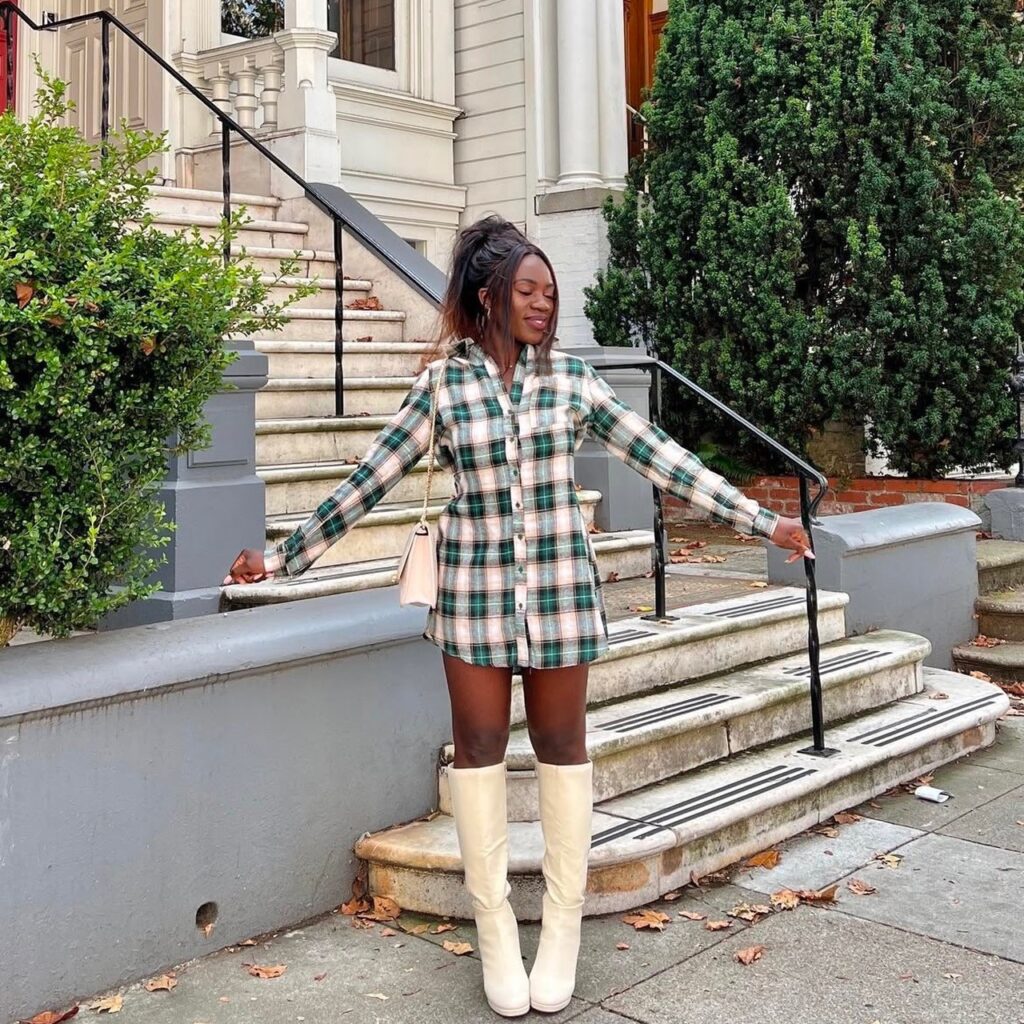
{"x":430,"y":112}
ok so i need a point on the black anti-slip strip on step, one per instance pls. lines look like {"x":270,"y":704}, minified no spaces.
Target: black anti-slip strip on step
{"x":839,"y":661}
{"x":739,"y":611}
{"x":625,"y":635}
{"x":706,"y":803}
{"x":629,"y":723}
{"x":884,"y":735}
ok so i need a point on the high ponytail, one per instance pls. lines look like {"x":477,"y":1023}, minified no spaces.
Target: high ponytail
{"x":487,"y":255}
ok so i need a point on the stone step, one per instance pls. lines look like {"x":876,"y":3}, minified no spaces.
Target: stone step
{"x":1001,"y":614}
{"x":302,"y":397}
{"x":307,"y":262}
{"x":323,"y":297}
{"x":643,"y":740}
{"x":171,"y":199}
{"x":1000,"y":565}
{"x":1004,"y":662}
{"x":383,"y":532}
{"x":317,"y":439}
{"x":305,"y":324}
{"x":313,"y":359}
{"x":627,"y":553}
{"x":298,"y":489}
{"x":653,"y":840}
{"x":255,"y":232}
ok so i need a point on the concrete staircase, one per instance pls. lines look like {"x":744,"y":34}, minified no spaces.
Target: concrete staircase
{"x":696,"y":728}
{"x":303,"y":451}
{"x":1000,"y":613}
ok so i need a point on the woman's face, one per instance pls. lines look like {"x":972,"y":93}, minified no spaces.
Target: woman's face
{"x":533,"y":301}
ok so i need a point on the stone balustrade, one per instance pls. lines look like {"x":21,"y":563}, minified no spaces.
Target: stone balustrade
{"x":244,"y":80}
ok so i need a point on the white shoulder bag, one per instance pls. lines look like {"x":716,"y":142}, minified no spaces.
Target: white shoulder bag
{"x":417,"y":568}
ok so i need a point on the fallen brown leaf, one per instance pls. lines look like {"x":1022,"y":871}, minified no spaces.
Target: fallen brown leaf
{"x":717,"y":926}
{"x":112,"y":1004}
{"x":983,"y":676}
{"x":785,"y":899}
{"x":888,"y":860}
{"x":758,"y":585}
{"x":641,"y":609}
{"x":442,"y":928}
{"x":749,"y":955}
{"x":162,"y":984}
{"x":387,"y":933}
{"x":764,"y":859}
{"x":415,"y":929}
{"x":671,"y":897}
{"x":1014,"y":689}
{"x":827,"y":895}
{"x":829,"y":831}
{"x":938,"y":695}
{"x":266,"y":972}
{"x":50,"y":1017}
{"x":458,"y":948}
{"x":622,"y":945}
{"x":987,"y":641}
{"x":370,"y":302}
{"x":613,"y":577}
{"x":750,"y":911}
{"x":384,"y":909}
{"x":861,"y":888}
{"x":362,"y":922}
{"x":692,"y":915}
{"x":647,"y":918}
{"x":847,"y":818}
{"x":356,"y":905}
{"x":319,"y":977}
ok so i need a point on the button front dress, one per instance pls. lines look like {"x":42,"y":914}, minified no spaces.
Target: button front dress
{"x":518,"y":583}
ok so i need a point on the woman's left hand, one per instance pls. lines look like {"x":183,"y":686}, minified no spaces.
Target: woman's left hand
{"x":789,"y":534}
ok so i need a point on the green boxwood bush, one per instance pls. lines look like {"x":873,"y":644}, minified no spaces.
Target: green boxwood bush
{"x":834,"y":229}
{"x":111,"y":341}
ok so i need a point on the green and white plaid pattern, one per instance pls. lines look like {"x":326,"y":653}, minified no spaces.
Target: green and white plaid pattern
{"x":518,"y":580}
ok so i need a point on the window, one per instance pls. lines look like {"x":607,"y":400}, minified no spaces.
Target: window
{"x":366,"y":32}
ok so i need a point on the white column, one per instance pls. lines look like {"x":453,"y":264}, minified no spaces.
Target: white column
{"x":200,"y":25}
{"x":611,"y":60}
{"x":307,"y":106}
{"x":579,"y":142}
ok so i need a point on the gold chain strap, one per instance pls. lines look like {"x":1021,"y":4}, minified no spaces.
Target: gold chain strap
{"x":430,"y":449}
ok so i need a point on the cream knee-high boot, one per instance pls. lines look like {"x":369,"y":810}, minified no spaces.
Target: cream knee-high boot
{"x":566,"y":807}
{"x":481,"y":823}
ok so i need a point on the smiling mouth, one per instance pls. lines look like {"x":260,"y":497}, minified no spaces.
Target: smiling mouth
{"x":537,"y":323}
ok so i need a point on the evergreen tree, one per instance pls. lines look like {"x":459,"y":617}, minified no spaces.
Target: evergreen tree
{"x":834,"y":228}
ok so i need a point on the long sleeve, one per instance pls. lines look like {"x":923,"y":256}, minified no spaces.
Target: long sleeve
{"x":652,"y":453}
{"x":393,"y":453}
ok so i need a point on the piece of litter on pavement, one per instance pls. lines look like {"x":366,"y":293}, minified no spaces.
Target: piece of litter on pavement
{"x":930,"y":793}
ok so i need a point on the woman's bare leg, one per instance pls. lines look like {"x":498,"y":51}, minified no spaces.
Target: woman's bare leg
{"x":481,"y":699}
{"x":556,"y":713}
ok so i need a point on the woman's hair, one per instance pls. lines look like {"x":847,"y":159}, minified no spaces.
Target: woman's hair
{"x":487,"y":255}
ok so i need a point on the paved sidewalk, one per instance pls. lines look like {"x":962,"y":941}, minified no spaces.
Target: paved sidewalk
{"x":941,"y":941}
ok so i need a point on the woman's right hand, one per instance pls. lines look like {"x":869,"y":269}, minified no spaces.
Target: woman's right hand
{"x":248,"y":567}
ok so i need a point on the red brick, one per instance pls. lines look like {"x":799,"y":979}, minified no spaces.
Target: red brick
{"x":885,"y":500}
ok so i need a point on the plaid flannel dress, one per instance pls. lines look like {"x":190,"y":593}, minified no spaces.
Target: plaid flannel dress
{"x":518,"y":583}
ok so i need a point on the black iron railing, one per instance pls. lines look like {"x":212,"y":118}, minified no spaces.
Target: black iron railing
{"x":808,"y":512}
{"x":228,"y":125}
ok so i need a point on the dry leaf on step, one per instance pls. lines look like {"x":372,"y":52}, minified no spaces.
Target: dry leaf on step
{"x":613,"y":577}
{"x":984,"y":676}
{"x":829,"y":831}
{"x":361,"y":922}
{"x":888,"y":860}
{"x":718,"y":926}
{"x":50,"y":1017}
{"x":416,"y":929}
{"x":758,"y":585}
{"x":442,"y":928}
{"x":112,"y":1004}
{"x":672,"y":896}
{"x":938,"y":695}
{"x":641,"y":609}
{"x":647,"y":918}
{"x":384,"y":909}
{"x":692,"y":915}
{"x":764,"y":859}
{"x":162,"y":984}
{"x":622,"y":945}
{"x":748,"y":955}
{"x":750,"y":911}
{"x":860,"y":888}
{"x":785,"y":899}
{"x":266,"y":972}
{"x":986,"y":641}
{"x":846,"y":818}
{"x":356,"y":905}
{"x":387,"y":933}
{"x":458,"y":948}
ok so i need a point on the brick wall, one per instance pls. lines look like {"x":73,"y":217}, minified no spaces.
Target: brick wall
{"x":782,"y":494}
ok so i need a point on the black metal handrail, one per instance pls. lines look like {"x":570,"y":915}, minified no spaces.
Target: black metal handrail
{"x":227,"y":125}
{"x":808,"y":512}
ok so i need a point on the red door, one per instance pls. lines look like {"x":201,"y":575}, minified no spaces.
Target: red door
{"x":5,"y":45}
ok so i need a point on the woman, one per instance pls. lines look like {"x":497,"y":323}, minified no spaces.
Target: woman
{"x":519,"y":588}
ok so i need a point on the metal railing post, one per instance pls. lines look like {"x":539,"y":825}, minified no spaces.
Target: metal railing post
{"x":225,"y":161}
{"x":339,"y":319}
{"x":8,"y":60}
{"x":105,"y":87}
{"x":660,"y":612}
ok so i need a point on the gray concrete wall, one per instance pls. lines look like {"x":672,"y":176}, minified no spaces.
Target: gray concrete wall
{"x":910,"y":567}
{"x":232,"y":759}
